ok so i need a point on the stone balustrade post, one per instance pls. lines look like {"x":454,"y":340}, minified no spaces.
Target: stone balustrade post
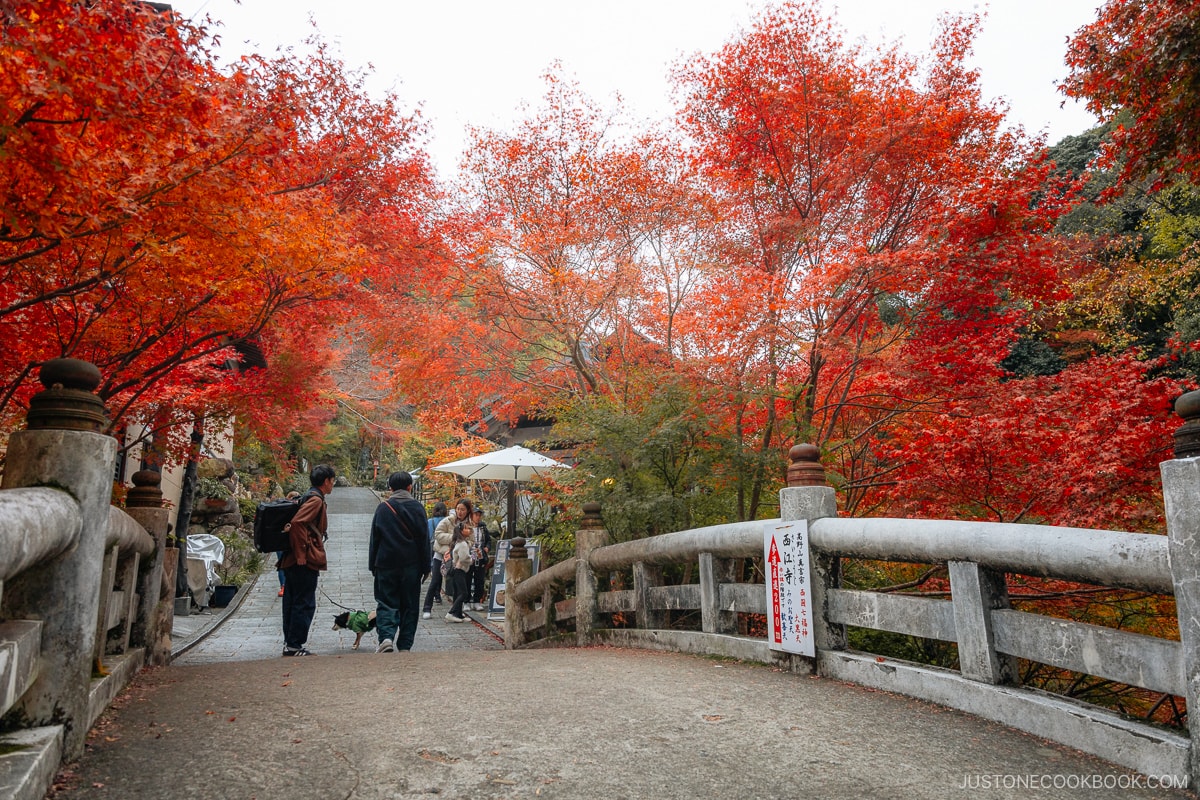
{"x":518,"y":567}
{"x":129,"y":567}
{"x":63,"y":448}
{"x":108,"y":582}
{"x":156,"y":612}
{"x":549,"y":612}
{"x":590,"y":535}
{"x":714,"y":572}
{"x":646,"y":577}
{"x":976,"y":592}
{"x":807,"y":496}
{"x":1181,"y":498}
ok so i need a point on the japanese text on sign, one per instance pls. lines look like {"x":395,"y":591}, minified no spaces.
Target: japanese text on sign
{"x":789,"y":592}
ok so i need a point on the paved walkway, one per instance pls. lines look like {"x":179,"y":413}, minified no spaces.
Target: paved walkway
{"x":254,"y":630}
{"x":460,"y":718}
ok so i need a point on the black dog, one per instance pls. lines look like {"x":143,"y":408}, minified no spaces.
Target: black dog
{"x":358,"y":621}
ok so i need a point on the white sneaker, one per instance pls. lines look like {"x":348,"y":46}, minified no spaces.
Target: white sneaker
{"x":426,"y":615}
{"x":385,"y":646}
{"x":452,"y":618}
{"x":479,"y":606}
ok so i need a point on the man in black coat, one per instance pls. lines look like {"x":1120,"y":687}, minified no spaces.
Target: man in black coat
{"x":399,"y":559}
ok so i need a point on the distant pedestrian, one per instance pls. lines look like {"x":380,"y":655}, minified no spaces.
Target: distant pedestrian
{"x":439,"y":514}
{"x":443,"y":539}
{"x":460,"y":565}
{"x":481,"y":548}
{"x":303,"y":563}
{"x":434,"y":593}
{"x":399,"y":559}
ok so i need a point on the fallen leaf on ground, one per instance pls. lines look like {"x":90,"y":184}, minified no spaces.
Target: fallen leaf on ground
{"x":434,"y":755}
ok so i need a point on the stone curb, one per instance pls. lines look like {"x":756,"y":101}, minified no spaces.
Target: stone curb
{"x":187,"y":643}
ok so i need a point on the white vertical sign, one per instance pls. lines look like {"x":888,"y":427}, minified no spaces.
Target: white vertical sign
{"x":789,"y":592}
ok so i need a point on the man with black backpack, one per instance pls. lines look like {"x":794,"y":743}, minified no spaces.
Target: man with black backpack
{"x":304,"y":560}
{"x":399,"y":558}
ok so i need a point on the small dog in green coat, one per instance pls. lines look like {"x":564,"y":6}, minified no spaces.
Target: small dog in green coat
{"x":358,"y":621}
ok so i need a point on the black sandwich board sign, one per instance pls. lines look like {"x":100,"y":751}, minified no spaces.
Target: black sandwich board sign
{"x":496,"y":593}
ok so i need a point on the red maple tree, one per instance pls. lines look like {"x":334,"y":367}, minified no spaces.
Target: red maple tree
{"x":162,"y":216}
{"x":1143,"y":57}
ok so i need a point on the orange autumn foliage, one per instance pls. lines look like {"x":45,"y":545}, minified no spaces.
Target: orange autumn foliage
{"x":159,"y":209}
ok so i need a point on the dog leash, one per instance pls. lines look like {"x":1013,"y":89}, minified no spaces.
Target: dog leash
{"x":336,"y":603}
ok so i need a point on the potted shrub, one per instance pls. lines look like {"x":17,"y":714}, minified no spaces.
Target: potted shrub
{"x":241,"y":564}
{"x":214,"y":493}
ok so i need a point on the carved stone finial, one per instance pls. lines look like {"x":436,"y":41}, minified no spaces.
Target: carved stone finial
{"x":68,"y":402}
{"x":516,"y":548}
{"x":1187,"y":437}
{"x":146,"y":491}
{"x":591,"y":516}
{"x":805,"y":468}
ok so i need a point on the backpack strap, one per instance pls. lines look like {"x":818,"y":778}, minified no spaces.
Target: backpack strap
{"x":312,"y":492}
{"x":399,"y":518}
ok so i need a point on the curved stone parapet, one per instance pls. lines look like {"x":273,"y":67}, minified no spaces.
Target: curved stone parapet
{"x":36,"y":524}
{"x":127,"y":534}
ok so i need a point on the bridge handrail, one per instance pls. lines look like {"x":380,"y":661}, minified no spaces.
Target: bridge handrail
{"x":81,"y":602}
{"x":1104,"y":557}
{"x":36,"y":524}
{"x":731,"y":540}
{"x":127,"y":535}
{"x":562,"y":572}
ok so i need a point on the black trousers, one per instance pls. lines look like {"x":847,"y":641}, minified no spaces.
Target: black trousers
{"x":397,"y":592}
{"x":477,"y":580}
{"x":299,"y":604}
{"x":456,"y":585}
{"x":435,"y":585}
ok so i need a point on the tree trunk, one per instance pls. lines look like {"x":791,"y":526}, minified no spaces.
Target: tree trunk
{"x":188,"y":490}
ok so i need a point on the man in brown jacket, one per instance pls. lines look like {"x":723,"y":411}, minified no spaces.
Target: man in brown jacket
{"x":304,"y":562}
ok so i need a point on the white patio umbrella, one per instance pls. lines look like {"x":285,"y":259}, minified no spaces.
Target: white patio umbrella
{"x":514,"y":464}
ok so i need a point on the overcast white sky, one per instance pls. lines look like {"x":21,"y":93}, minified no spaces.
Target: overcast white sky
{"x":474,"y":62}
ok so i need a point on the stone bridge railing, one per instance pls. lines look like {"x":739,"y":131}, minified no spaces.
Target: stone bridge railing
{"x":566,"y":605}
{"x":80,"y":580}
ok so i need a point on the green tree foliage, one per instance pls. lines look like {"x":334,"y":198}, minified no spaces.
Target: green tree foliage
{"x":1118,"y":217}
{"x":1138,"y":285}
{"x":652,"y":466}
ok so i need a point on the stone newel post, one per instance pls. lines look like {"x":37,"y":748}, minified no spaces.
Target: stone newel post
{"x":1181,"y":496}
{"x":152,"y":628}
{"x":590,"y":535}
{"x":63,"y":449}
{"x":808,"y":497}
{"x":518,"y":567}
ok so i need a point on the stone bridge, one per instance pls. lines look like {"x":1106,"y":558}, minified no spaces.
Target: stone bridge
{"x":597,"y":690}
